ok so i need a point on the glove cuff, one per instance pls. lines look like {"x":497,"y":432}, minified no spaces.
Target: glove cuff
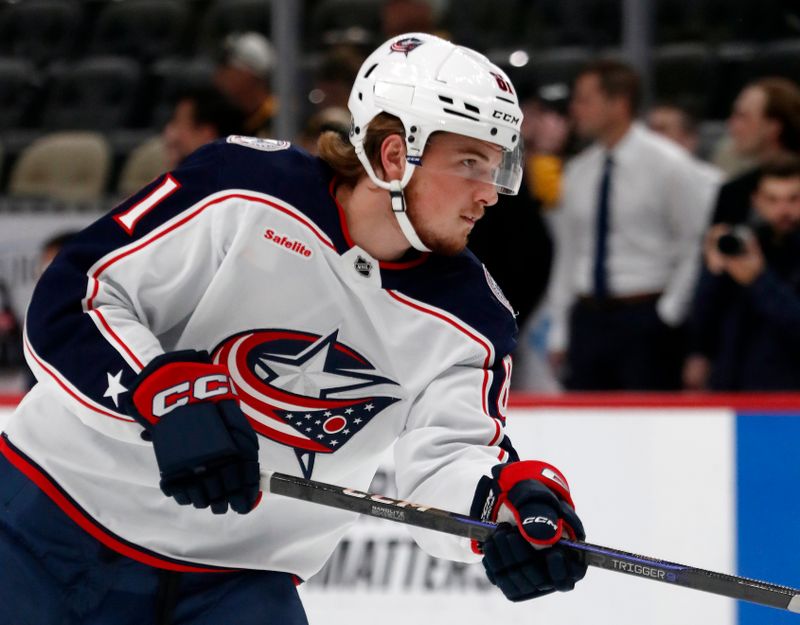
{"x":509,"y":475}
{"x":173,"y":380}
{"x":492,"y":493}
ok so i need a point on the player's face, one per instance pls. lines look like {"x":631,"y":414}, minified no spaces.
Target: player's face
{"x":777,"y":201}
{"x":449,"y":193}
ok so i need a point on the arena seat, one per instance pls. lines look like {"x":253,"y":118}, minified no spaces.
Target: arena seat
{"x":486,"y":25}
{"x":66,"y":166}
{"x":337,"y":16}
{"x":145,"y":162}
{"x":777,"y":58}
{"x":39,"y":31}
{"x":96,"y":93}
{"x":18,"y":88}
{"x":231,"y":16}
{"x":557,"y":65}
{"x":145,"y":29}
{"x":686,"y":72}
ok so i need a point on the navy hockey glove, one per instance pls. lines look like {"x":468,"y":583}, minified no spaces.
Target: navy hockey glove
{"x":524,"y":572}
{"x":532,"y":502}
{"x":206,"y":450}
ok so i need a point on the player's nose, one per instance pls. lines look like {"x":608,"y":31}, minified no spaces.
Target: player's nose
{"x":486,"y":193}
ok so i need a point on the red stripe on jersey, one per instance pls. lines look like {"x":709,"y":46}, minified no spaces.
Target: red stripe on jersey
{"x":189,"y":217}
{"x":116,"y":337}
{"x":69,"y":391}
{"x":474,"y":337}
{"x":342,"y":219}
{"x":184,"y":220}
{"x":89,"y":525}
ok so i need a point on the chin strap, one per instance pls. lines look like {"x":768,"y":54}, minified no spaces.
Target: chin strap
{"x":399,"y":210}
{"x":395,"y":189}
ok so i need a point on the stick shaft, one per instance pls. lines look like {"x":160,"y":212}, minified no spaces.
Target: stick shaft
{"x":607,"y":558}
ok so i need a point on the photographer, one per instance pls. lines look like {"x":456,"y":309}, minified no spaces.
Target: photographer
{"x":746,"y":313}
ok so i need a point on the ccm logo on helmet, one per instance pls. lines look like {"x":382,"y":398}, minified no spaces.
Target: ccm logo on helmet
{"x":506,"y":117}
{"x":202,"y":388}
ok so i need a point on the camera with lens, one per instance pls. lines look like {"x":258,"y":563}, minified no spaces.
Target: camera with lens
{"x":733,"y":243}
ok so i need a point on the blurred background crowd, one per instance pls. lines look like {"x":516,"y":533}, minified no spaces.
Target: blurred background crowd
{"x":654,"y":246}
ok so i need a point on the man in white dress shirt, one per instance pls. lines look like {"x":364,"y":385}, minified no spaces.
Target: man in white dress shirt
{"x":628,"y":230}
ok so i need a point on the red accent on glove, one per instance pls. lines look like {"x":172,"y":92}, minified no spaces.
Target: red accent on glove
{"x":178,"y":384}
{"x":542,"y":472}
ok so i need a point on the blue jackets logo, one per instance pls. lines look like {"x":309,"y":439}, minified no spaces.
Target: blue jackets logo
{"x":303,"y":390}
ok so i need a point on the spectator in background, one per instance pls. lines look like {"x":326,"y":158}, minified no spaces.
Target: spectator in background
{"x":513,"y":241}
{"x":632,"y":210}
{"x":10,"y":333}
{"x":332,"y":118}
{"x":200,"y":115}
{"x":51,"y":247}
{"x":764,"y":125}
{"x":547,"y":132}
{"x":677,"y":123}
{"x":746,"y":314}
{"x":244,"y":74}
{"x":408,"y":16}
{"x":334,"y":78}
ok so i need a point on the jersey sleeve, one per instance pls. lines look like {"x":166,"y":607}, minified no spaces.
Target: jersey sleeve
{"x":101,"y":310}
{"x":454,"y":436}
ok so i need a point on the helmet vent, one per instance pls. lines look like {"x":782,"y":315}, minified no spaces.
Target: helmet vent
{"x":510,"y":101}
{"x":446,"y":99}
{"x":460,"y":114}
{"x":472,"y":108}
{"x":370,"y":70}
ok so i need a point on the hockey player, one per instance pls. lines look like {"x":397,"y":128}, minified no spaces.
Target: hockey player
{"x":258,"y":307}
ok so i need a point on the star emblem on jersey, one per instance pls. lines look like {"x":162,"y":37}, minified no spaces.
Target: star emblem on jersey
{"x":303,"y":390}
{"x":115,"y":388}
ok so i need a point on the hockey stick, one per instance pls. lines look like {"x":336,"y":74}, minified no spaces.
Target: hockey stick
{"x":400,"y":511}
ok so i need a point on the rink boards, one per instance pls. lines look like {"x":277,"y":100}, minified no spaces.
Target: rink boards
{"x":706,"y":485}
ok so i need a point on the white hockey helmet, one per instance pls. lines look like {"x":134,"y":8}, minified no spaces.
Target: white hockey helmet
{"x":432,"y":85}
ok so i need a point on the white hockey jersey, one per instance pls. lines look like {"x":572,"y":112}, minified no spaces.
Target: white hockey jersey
{"x":243,"y":251}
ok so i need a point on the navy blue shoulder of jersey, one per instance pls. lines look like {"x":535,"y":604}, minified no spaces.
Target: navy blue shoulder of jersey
{"x":460,"y":286}
{"x":56,"y":327}
{"x":288,"y":173}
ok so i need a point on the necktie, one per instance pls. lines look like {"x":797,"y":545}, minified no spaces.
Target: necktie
{"x":600,"y":275}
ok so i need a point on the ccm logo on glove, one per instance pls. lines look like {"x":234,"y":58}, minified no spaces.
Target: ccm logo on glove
{"x":203,"y":388}
{"x":532,"y":495}
{"x":533,"y":507}
{"x":179,"y":384}
{"x":540,"y":519}
{"x":205,"y":448}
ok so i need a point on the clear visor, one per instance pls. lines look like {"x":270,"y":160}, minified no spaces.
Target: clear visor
{"x":499,"y":168}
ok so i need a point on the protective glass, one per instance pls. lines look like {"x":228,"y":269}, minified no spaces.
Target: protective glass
{"x":505,"y":176}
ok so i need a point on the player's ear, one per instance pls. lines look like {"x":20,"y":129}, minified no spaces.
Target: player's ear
{"x":393,"y":157}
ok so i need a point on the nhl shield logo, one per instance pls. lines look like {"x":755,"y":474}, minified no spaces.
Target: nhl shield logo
{"x":406,"y":45}
{"x":303,"y":390}
{"x":363,"y":266}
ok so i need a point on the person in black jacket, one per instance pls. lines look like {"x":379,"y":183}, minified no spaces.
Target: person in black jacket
{"x":746,"y":314}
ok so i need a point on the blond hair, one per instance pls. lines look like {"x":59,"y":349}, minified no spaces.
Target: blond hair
{"x":340,"y":154}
